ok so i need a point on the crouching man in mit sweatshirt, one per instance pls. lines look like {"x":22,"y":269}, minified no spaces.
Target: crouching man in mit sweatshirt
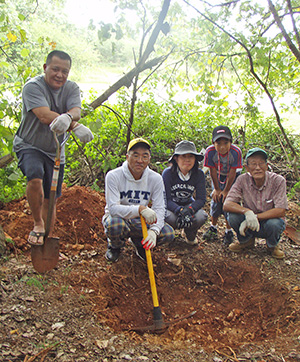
{"x":128,"y":190}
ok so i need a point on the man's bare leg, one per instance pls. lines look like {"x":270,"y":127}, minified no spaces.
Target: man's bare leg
{"x":35,"y":197}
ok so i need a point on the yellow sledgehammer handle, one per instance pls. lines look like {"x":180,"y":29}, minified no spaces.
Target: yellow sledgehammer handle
{"x":150,"y":265}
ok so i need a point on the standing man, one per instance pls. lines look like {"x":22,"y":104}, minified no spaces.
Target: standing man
{"x":256,"y":204}
{"x":128,"y":191}
{"x":51,"y":103}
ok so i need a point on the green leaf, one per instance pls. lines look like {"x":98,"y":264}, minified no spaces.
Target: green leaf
{"x":25,"y":52}
{"x":23,"y":35}
{"x":4,"y":64}
{"x":13,"y":176}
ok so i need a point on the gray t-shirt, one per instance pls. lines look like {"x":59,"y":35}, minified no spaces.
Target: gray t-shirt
{"x":33,"y":134}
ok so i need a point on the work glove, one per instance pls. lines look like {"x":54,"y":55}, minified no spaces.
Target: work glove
{"x":150,"y":241}
{"x":83,"y":133}
{"x":185,"y":217}
{"x":60,"y":124}
{"x":149,"y":215}
{"x":251,"y":222}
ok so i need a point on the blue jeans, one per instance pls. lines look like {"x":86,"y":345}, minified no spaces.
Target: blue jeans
{"x":270,"y":229}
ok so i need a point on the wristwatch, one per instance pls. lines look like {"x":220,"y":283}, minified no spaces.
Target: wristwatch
{"x":70,"y":115}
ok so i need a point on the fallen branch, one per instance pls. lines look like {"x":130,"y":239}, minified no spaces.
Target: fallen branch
{"x":42,"y":353}
{"x":124,"y":81}
{"x":5,"y":160}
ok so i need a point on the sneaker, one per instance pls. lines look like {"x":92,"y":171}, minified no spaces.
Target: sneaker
{"x":237,"y":247}
{"x":139,"y":250}
{"x":192,"y":242}
{"x":112,"y":254}
{"x":211,"y":234}
{"x":276,"y":252}
{"x":228,"y":238}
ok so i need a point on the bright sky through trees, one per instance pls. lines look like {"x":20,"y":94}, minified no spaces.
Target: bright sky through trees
{"x":80,"y":12}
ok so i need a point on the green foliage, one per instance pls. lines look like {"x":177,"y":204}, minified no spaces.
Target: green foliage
{"x":38,"y":282}
{"x":64,"y":289}
{"x":163,"y":124}
{"x":12,"y":184}
{"x":295,"y":191}
{"x":205,"y":82}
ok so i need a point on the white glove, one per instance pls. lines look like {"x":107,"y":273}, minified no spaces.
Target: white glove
{"x":83,"y":133}
{"x":252,"y":221}
{"x":150,"y":241}
{"x":243,"y":228}
{"x":149,"y":215}
{"x":60,"y":124}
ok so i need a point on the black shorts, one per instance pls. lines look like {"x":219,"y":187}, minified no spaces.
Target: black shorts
{"x":35,"y":164}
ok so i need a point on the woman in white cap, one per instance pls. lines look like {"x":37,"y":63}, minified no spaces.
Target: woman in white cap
{"x":185,"y":191}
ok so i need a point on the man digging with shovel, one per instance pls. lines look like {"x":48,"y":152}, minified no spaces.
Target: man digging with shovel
{"x":51,"y":104}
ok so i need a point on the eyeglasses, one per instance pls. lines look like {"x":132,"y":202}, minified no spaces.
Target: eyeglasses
{"x":137,"y":157}
{"x":255,"y":164}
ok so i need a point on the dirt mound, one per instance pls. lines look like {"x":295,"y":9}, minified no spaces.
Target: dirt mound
{"x":239,"y":300}
{"x":78,"y":225}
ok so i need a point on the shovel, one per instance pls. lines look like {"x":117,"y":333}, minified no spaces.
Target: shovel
{"x":45,"y":257}
{"x":158,"y":326}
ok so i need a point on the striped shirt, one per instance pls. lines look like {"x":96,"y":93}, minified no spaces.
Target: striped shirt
{"x":223,"y":163}
{"x":269,"y":196}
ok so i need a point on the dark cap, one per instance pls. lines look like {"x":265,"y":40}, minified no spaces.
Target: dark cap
{"x":185,"y":147}
{"x":256,"y":150}
{"x":137,"y":141}
{"x":221,"y":132}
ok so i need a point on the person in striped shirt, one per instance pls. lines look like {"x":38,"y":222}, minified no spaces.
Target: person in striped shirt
{"x":224,"y":161}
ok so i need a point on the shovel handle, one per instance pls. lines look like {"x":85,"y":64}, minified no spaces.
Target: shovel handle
{"x":150,"y":265}
{"x":52,"y":197}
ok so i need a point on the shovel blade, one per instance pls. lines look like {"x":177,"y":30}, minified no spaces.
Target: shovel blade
{"x":45,"y":257}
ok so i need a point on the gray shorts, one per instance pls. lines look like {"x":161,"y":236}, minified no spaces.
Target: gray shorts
{"x":35,"y":164}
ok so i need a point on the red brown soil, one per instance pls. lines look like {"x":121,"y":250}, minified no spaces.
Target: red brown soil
{"x":240,"y":300}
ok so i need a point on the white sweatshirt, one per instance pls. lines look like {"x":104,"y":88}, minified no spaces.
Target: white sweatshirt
{"x":124,"y":194}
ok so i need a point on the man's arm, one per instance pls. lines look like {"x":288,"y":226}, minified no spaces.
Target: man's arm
{"x":230,"y":206}
{"x":217,"y":191}
{"x":214,"y":177}
{"x":46,"y":116}
{"x":271,"y":214}
{"x":230,"y":179}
